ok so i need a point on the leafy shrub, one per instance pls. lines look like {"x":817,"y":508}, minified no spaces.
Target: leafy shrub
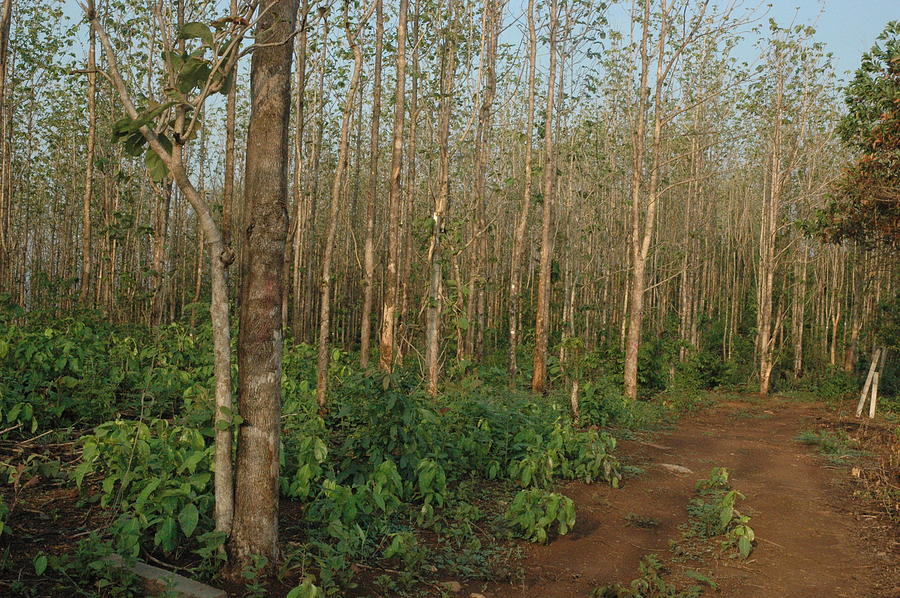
{"x":94,"y":568}
{"x":834,"y":384}
{"x":533,"y":512}
{"x":65,"y":372}
{"x":713,"y":513}
{"x":651,"y":583}
{"x":158,"y":474}
{"x":603,"y":404}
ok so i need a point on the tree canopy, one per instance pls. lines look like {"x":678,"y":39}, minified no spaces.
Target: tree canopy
{"x":865,"y":202}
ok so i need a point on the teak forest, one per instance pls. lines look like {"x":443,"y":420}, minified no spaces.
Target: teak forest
{"x":484,"y":298}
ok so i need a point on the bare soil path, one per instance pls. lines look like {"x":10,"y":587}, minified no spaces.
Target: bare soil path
{"x":810,"y":542}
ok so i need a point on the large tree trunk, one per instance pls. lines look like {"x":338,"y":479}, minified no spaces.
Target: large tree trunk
{"x":387,"y":349}
{"x":255,"y":529}
{"x":542,"y":320}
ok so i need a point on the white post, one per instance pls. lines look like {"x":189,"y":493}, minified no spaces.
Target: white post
{"x":874,"y":396}
{"x":865,"y":391}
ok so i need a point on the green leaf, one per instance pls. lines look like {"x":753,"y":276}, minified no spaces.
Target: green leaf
{"x":305,"y":590}
{"x":193,"y":74}
{"x":134,"y":144}
{"x":155,"y":166}
{"x":196,"y":30}
{"x":165,"y":534}
{"x":188,"y":519}
{"x":725,"y":516}
{"x":152,"y":485}
{"x":745,"y":546}
{"x":40,"y":564}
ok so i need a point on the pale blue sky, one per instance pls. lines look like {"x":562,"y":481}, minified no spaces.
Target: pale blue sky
{"x":847,"y":27}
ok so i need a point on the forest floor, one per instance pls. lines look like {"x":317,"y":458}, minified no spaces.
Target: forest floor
{"x":820,"y":528}
{"x":826,"y":515}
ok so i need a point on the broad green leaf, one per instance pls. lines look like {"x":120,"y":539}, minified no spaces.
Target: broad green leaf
{"x":745,"y":546}
{"x":188,"y":519}
{"x":165,"y":534}
{"x":196,"y":30}
{"x":40,"y":564}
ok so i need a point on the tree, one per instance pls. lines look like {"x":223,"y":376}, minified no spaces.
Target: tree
{"x":5,"y":199}
{"x":372,"y":195}
{"x":865,"y":202}
{"x":388,"y":349}
{"x":255,"y":529}
{"x":521,"y":225}
{"x":325,"y":283}
{"x":89,"y":168}
{"x":541,"y":323}
{"x":165,"y":129}
{"x":448,"y":61}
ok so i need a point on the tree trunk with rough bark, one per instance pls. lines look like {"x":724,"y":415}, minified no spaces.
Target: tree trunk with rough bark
{"x":441,"y":207}
{"x":255,"y":528}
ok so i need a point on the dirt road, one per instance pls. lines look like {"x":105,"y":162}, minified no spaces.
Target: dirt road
{"x":810,"y":543}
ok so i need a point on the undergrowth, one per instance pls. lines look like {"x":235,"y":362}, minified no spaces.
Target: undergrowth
{"x":390,"y":479}
{"x":835,"y":445}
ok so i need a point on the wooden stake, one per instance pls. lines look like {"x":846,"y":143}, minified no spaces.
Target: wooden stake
{"x":875,"y":380}
{"x":874,"y":395}
{"x":865,"y":390}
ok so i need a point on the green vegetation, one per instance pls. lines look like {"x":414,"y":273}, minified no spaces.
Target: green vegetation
{"x":713,"y":514}
{"x":836,"y":445}
{"x":715,"y":524}
{"x":534,"y":512}
{"x":650,"y":584}
{"x":387,"y":464}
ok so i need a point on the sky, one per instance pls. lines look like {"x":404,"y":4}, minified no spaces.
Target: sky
{"x":847,"y":27}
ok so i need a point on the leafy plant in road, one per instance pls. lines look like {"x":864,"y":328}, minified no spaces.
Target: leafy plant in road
{"x":836,"y":445}
{"x":713,"y":513}
{"x":533,"y":513}
{"x":650,"y":584}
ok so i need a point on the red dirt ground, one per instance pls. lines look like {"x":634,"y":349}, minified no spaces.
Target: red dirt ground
{"x":814,"y":538}
{"x":817,"y":535}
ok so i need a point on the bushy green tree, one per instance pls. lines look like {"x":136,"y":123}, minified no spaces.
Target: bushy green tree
{"x":865,"y":202}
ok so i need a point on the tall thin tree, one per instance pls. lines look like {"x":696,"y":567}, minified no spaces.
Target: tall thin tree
{"x":388,"y":350}
{"x":542,"y":319}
